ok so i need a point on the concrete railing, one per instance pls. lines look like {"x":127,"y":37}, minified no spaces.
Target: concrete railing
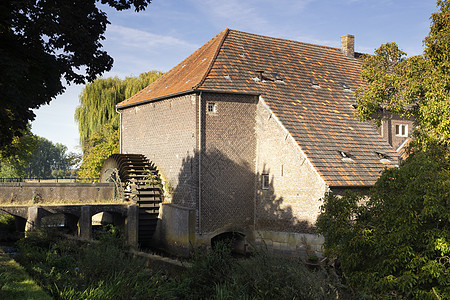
{"x":40,"y":193}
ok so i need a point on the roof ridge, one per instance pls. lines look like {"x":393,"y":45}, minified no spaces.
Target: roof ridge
{"x":285,"y":39}
{"x":213,"y":60}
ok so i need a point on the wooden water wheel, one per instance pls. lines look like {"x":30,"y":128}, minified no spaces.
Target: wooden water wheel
{"x":139,"y":181}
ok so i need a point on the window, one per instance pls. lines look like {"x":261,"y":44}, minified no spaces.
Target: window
{"x":265,"y":181}
{"x":211,"y":108}
{"x":401,"y":130}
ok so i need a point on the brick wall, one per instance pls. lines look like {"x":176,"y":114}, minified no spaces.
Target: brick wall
{"x":165,"y":132}
{"x":291,"y":203}
{"x":228,"y":162}
{"x":387,"y":130}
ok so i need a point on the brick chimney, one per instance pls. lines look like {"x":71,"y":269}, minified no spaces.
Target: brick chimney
{"x":348,"y":45}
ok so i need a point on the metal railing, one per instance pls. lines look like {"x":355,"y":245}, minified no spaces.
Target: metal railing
{"x":66,"y":179}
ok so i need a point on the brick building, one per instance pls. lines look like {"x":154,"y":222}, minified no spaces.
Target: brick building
{"x":250,"y":132}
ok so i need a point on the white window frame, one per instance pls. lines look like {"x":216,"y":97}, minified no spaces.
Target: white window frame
{"x":401,"y":130}
{"x":211,"y":107}
{"x":265,"y":181}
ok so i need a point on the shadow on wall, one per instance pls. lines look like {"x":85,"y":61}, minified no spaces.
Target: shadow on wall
{"x":232,"y":198}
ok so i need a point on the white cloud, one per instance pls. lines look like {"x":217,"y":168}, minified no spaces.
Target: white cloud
{"x":135,"y":38}
{"x":256,"y":16}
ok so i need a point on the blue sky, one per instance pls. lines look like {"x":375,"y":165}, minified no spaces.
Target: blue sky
{"x":169,"y":30}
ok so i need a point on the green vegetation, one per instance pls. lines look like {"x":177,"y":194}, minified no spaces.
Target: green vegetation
{"x":396,"y":244}
{"x":44,"y":45}
{"x":18,"y":155}
{"x":417,"y":86}
{"x":15,"y":283}
{"x":71,"y":269}
{"x":98,"y":101}
{"x":34,"y":156}
{"x":98,"y":121}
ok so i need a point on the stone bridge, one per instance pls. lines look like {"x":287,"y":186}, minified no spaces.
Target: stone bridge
{"x":32,"y":202}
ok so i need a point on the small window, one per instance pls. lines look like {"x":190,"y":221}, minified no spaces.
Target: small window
{"x":265,"y":181}
{"x":211,"y":108}
{"x":401,"y":130}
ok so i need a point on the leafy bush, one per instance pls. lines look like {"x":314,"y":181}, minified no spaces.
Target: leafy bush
{"x":70,"y":269}
{"x":219,"y":275}
{"x":7,"y":224}
{"x":397,"y":244}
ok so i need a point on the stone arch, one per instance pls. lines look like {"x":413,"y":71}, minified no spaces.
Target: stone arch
{"x":236,"y":238}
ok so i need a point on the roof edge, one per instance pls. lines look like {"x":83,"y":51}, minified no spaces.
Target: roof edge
{"x":227,"y":30}
{"x":155,"y":99}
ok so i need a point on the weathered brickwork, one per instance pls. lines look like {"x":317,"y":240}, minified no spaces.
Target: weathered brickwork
{"x":291,"y":202}
{"x":228,"y":162}
{"x":165,"y":132}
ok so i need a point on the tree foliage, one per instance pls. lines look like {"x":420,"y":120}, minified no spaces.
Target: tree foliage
{"x":98,"y":101}
{"x":417,"y":86}
{"x":34,"y":156}
{"x":47,"y":158}
{"x":98,"y":121}
{"x":19,"y":154}
{"x":97,"y":149}
{"x":44,"y":44}
{"x":397,"y":244}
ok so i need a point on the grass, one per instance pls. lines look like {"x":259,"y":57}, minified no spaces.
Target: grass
{"x":71,"y":269}
{"x":15,"y":283}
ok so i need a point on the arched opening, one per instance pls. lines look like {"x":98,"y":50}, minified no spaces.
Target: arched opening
{"x":11,"y":227}
{"x":235,"y":239}
{"x":104,"y":220}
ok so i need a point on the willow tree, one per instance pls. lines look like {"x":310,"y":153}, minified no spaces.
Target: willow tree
{"x":98,"y":101}
{"x":98,"y":121}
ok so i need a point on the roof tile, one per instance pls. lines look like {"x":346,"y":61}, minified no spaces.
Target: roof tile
{"x":320,"y":117}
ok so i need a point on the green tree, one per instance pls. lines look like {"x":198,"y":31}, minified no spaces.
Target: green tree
{"x":98,"y":101}
{"x":97,"y":149}
{"x":98,"y":121}
{"x":417,"y":86}
{"x":43,"y":44}
{"x":46,"y":158}
{"x":18,"y":155}
{"x":396,"y":244}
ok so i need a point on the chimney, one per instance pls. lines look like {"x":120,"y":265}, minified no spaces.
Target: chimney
{"x":348,"y":45}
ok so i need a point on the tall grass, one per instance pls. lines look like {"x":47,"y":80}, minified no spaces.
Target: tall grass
{"x":70,"y":269}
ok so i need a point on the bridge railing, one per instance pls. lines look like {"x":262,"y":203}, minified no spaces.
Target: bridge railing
{"x":48,"y":179}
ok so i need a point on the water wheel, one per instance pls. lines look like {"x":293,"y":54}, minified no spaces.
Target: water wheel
{"x":139,"y":181}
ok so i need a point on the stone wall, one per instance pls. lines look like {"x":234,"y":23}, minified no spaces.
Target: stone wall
{"x":33,"y":193}
{"x":291,"y":201}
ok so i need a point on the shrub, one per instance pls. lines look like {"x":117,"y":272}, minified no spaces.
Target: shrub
{"x":398,"y":243}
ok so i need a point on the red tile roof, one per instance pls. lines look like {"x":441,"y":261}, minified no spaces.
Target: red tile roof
{"x":320,"y":118}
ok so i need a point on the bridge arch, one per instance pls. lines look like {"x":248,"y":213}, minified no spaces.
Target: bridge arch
{"x":236,"y":238}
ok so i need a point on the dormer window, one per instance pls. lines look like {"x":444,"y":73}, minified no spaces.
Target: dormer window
{"x":345,"y":86}
{"x":401,"y":130}
{"x":345,"y":156}
{"x":382,"y":155}
{"x":314,"y":82}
